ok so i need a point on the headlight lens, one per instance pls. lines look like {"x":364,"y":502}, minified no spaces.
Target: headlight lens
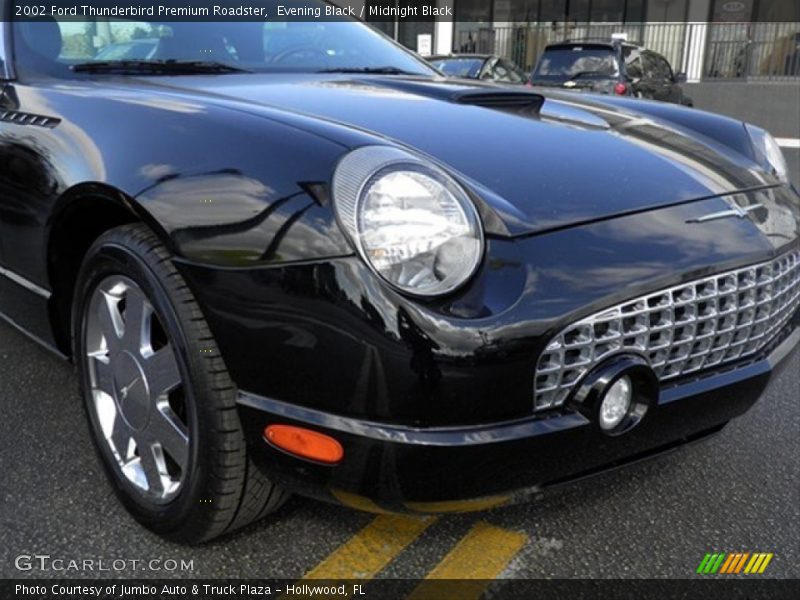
{"x":768,"y":152}
{"x":411,"y":222}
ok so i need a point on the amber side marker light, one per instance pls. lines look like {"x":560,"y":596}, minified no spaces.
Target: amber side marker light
{"x":305,"y":443}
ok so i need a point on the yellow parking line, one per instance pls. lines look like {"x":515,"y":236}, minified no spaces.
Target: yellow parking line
{"x":480,"y":556}
{"x":371,"y":549}
{"x":359,"y":502}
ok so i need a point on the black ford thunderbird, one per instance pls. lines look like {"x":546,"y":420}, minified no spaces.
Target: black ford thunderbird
{"x":296,"y":259}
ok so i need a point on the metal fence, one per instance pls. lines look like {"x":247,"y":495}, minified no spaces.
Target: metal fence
{"x":701,"y":50}
{"x":753,"y":50}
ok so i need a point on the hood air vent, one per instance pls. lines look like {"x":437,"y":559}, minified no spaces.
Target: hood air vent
{"x":516,"y":102}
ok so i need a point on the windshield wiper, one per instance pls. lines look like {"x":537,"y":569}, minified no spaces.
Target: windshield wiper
{"x":369,"y":71}
{"x":157,"y":67}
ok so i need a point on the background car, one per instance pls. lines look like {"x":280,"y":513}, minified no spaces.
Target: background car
{"x":614,"y":67}
{"x":486,"y":67}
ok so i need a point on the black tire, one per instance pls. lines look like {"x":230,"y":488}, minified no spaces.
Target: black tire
{"x":220,"y":489}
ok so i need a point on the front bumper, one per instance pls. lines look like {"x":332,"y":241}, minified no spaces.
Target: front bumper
{"x":400,"y":468}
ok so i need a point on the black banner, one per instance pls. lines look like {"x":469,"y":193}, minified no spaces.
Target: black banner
{"x":507,"y":12}
{"x":388,"y":589}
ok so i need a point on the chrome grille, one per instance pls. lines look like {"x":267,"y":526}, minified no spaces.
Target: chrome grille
{"x":681,"y":330}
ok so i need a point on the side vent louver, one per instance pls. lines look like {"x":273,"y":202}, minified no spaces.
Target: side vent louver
{"x":21,"y":118}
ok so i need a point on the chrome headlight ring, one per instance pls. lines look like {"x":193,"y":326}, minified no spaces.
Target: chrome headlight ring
{"x":410,"y":221}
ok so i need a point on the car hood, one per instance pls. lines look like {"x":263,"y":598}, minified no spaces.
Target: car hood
{"x":577,"y":160}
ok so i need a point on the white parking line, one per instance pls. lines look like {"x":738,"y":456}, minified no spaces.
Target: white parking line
{"x":788,"y":142}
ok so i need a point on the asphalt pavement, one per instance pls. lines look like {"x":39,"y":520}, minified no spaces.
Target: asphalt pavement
{"x":735,"y":492}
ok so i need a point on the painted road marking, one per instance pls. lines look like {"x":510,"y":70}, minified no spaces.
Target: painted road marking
{"x":371,"y":549}
{"x":481,"y":556}
{"x":788,"y":142}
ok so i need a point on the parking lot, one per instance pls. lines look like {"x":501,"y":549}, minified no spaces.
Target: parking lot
{"x":735,"y":492}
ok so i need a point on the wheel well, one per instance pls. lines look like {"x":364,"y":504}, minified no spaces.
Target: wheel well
{"x":73,"y":232}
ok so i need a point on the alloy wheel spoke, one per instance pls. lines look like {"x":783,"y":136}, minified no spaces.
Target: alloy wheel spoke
{"x":103,"y":379}
{"x":121,"y":438}
{"x":137,"y":321}
{"x":162,"y":372}
{"x":111,"y":323}
{"x":166,"y":428}
{"x":152,"y":462}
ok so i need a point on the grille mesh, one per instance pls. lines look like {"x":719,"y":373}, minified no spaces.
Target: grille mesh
{"x":681,"y":330}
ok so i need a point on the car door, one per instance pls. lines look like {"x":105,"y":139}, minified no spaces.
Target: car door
{"x":487,"y":71}
{"x":500,"y":73}
{"x":634,"y":72}
{"x":672,"y":91}
{"x":28,"y":184}
{"x":662,"y":78}
{"x":5,"y":76}
{"x":648,"y":86}
{"x":508,"y":72}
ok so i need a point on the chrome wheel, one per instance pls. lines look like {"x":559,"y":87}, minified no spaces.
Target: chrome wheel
{"x":136,"y":389}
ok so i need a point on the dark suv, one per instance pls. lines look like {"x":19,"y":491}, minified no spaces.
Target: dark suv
{"x":614,"y":67}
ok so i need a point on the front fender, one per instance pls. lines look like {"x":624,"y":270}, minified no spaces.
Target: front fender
{"x":223,"y":186}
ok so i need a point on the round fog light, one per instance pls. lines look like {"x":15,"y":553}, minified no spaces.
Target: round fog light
{"x":616,"y":403}
{"x":617,"y":394}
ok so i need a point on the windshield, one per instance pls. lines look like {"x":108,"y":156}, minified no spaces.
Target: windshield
{"x":459,"y":67}
{"x":129,"y":51}
{"x":577,"y":61}
{"x":57,"y":48}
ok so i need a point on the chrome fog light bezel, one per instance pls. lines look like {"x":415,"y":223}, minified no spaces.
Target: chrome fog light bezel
{"x":595,"y":388}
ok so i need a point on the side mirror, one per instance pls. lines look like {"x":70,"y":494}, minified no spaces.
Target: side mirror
{"x":680,"y":78}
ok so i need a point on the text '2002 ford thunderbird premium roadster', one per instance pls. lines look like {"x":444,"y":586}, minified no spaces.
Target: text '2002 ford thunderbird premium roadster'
{"x":297,"y":259}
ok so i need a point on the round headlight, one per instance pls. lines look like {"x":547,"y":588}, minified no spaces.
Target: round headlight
{"x":768,"y":152}
{"x":410,"y":221}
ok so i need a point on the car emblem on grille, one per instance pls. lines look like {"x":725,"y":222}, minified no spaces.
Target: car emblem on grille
{"x":735,"y":211}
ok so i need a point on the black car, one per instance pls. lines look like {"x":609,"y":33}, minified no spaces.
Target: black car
{"x":614,"y":67}
{"x":486,"y":67}
{"x":288,"y":272}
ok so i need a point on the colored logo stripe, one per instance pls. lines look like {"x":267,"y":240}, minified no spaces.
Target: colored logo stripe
{"x":726,"y":566}
{"x":734,"y":563}
{"x":710,"y":563}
